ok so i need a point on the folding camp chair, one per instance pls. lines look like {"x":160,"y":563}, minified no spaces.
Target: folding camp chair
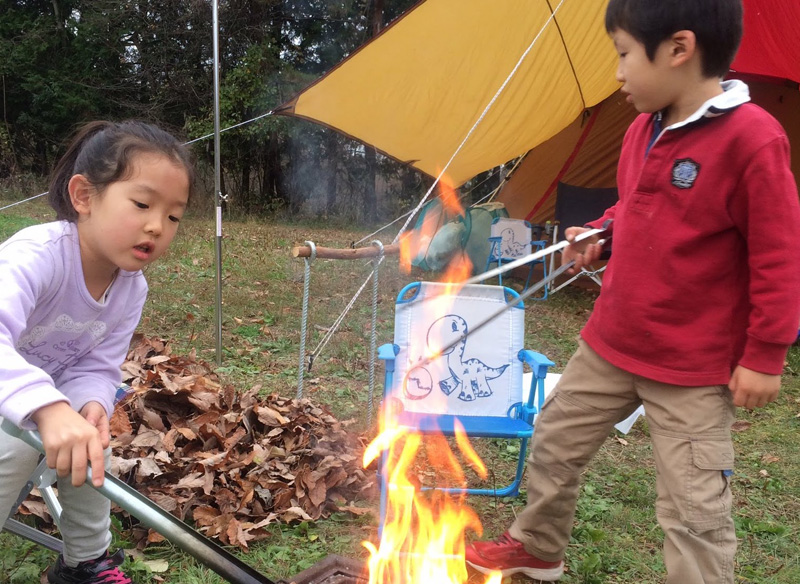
{"x":576,"y":206}
{"x":474,"y":379}
{"x":511,"y":239}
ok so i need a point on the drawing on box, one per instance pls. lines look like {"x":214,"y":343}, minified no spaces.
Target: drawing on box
{"x":469,"y":378}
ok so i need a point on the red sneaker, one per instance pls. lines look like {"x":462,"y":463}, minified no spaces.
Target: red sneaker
{"x":507,"y":555}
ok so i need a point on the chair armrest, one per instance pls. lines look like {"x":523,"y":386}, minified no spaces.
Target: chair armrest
{"x":536,"y":361}
{"x":387,"y":352}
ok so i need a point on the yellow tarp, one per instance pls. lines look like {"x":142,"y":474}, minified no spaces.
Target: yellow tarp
{"x":415,"y":91}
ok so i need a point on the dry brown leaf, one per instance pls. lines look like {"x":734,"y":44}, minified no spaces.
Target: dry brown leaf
{"x":148,"y":467}
{"x":120,"y":423}
{"x":146,"y":438}
{"x":191,"y":481}
{"x":232,"y":461}
{"x":186,"y":433}
{"x":38,"y":508}
{"x":293,"y":513}
{"x":356,"y":510}
{"x":270,"y":417}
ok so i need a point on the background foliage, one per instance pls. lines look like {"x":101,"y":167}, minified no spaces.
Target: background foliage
{"x":63,"y":62}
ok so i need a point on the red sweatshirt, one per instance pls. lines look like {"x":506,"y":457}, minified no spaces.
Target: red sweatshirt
{"x":704,"y":273}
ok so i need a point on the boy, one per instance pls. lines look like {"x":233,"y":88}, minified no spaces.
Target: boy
{"x":699,"y":303}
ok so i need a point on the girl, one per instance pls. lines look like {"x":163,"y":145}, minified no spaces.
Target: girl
{"x":71,"y":296}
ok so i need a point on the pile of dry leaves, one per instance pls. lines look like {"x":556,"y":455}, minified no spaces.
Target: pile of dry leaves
{"x":231,"y":463}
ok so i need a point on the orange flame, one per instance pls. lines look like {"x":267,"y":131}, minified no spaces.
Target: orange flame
{"x":458,"y":270}
{"x":423,"y":536}
{"x":448,"y":196}
{"x":415,"y":243}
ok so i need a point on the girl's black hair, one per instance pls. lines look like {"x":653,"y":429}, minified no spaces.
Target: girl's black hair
{"x":717,"y":25}
{"x":103,"y":152}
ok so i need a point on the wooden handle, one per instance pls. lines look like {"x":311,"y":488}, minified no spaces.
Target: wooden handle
{"x":333,"y":253}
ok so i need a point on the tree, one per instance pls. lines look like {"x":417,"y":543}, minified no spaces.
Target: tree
{"x":68,"y":61}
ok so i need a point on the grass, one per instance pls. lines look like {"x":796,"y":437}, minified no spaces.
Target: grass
{"x":616,"y":538}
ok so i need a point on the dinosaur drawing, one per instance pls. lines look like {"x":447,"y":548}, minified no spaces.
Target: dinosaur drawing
{"x":509,"y":244}
{"x":469,"y":377}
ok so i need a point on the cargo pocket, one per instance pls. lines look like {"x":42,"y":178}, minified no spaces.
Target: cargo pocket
{"x":712,"y":454}
{"x":709,"y":492}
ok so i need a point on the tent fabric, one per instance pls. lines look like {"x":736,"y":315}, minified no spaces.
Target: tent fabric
{"x":579,"y":205}
{"x":769,"y":45}
{"x":586,"y":152}
{"x":415,"y":91}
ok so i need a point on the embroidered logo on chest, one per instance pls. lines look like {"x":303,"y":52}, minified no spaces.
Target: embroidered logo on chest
{"x":684,"y":173}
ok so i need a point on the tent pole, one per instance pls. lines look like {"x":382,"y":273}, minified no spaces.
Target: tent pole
{"x":218,"y":197}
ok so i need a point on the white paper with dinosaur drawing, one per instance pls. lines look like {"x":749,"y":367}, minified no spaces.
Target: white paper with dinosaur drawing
{"x":445,"y":367}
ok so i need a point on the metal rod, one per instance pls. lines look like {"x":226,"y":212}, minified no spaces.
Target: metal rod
{"x":514,"y":301}
{"x":532,"y":257}
{"x":217,"y":187}
{"x":31,"y":534}
{"x":151,"y":515}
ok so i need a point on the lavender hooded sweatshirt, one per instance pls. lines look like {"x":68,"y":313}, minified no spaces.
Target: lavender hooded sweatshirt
{"x":57,"y":343}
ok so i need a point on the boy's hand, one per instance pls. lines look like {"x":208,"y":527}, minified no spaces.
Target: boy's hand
{"x":71,"y":442}
{"x":584,"y":252}
{"x":752,"y":389}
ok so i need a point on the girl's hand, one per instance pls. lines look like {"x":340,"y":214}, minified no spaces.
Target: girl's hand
{"x":752,"y":389}
{"x":96,"y":415}
{"x":71,"y":442}
{"x":584,"y":253}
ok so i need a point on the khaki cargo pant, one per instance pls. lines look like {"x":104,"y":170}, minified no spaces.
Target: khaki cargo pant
{"x":690,"y":432}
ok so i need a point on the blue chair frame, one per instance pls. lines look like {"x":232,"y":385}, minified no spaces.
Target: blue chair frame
{"x":517,"y":425}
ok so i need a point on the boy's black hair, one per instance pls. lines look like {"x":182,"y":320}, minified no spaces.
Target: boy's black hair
{"x":717,"y":25}
{"x":103,"y":152}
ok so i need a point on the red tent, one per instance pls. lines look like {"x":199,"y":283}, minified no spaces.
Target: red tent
{"x":770,"y":45}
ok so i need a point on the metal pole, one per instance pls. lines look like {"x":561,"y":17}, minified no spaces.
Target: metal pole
{"x":218,"y":198}
{"x":151,"y":515}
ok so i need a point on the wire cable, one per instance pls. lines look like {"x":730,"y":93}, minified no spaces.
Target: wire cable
{"x":23,"y":201}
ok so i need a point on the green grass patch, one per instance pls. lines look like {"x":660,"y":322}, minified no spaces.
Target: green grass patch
{"x":10,"y":224}
{"x":616,"y":538}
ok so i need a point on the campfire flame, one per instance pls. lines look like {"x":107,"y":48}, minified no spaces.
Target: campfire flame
{"x":423,"y":536}
{"x":415,"y":242}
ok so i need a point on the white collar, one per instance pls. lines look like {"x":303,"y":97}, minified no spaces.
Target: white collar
{"x":734,"y":93}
